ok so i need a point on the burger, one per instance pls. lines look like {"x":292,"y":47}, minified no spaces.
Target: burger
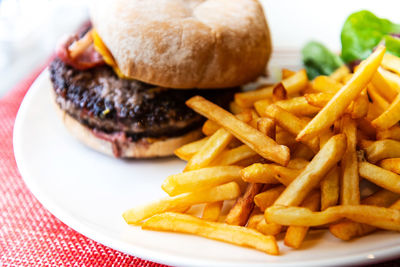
{"x":120,"y":84}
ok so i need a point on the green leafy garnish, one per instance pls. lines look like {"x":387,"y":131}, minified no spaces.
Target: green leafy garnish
{"x":363,"y":31}
{"x":319,"y":60}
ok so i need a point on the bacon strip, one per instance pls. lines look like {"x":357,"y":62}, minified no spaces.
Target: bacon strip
{"x":79,"y":53}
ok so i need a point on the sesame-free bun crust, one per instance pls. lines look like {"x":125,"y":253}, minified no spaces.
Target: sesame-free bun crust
{"x":185,"y":43}
{"x":143,"y":148}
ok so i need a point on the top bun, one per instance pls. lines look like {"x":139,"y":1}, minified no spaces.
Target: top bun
{"x":185,"y":43}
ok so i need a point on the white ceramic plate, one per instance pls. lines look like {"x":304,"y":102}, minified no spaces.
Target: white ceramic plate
{"x":89,"y":192}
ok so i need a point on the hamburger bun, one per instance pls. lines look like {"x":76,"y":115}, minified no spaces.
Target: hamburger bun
{"x":185,"y":43}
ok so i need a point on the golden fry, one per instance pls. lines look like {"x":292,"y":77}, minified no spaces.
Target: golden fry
{"x":234,"y":155}
{"x":222,"y":192}
{"x":330,"y":188}
{"x":391,"y":62}
{"x":347,"y":229}
{"x":258,"y":173}
{"x":187,"y":151}
{"x":391,"y":133}
{"x":350,"y":189}
{"x":211,"y":149}
{"x":360,"y":106}
{"x":342,"y":99}
{"x":380,"y":217}
{"x":392,"y":165}
{"x":200,"y":179}
{"x":262,"y":144}
{"x":240,"y":212}
{"x":340,"y":73}
{"x":233,"y":234}
{"x":379,"y":176}
{"x":309,"y":178}
{"x":210,"y":127}
{"x":295,"y":234}
{"x":290,"y":123}
{"x":268,"y":228}
{"x":212,"y":211}
{"x":267,"y":198}
{"x":325,"y":84}
{"x":389,"y":117}
{"x":266,"y":126}
{"x":383,"y":149}
{"x":382,"y":86}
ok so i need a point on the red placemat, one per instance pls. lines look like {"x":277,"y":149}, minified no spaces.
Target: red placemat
{"x":29,"y":234}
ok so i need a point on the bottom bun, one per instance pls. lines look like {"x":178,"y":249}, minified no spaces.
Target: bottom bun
{"x":108,"y":144}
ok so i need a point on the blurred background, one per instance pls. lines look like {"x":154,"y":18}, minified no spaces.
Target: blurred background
{"x":29,"y":29}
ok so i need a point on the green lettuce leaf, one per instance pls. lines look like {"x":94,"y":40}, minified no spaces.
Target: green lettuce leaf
{"x":362,"y":31}
{"x":319,"y":60}
{"x":392,"y":45}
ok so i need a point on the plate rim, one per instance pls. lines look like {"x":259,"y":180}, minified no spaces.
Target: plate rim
{"x":144,"y":253}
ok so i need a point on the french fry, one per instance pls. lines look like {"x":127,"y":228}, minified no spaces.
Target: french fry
{"x":260,"y":143}
{"x":222,"y":192}
{"x":319,"y":99}
{"x":195,"y":180}
{"x":279,"y":92}
{"x":309,"y":178}
{"x":234,"y":155}
{"x":240,"y":212}
{"x":391,"y":62}
{"x":350,"y":189}
{"x":385,"y":218}
{"x":324,"y":137}
{"x":210,"y":127}
{"x":290,"y":123}
{"x":269,"y":228}
{"x":303,"y":151}
{"x":389,"y":117}
{"x":260,"y":106}
{"x":391,"y":133}
{"x":340,"y":73}
{"x":392,"y":165}
{"x":326,"y":84}
{"x":297,"y":105}
{"x":379,"y":176}
{"x":254,"y":220}
{"x":235,"y":108}
{"x":297,"y":163}
{"x":377,"y":99}
{"x":211,"y":149}
{"x":295,"y":234}
{"x":293,"y":84}
{"x":342,"y":99}
{"x":266,"y":126}
{"x":347,"y":230}
{"x":284,"y":175}
{"x":247,"y":99}
{"x":383,"y":149}
{"x":268,"y":197}
{"x":212,"y":211}
{"x":187,"y":151}
{"x":382,"y":86}
{"x":237,"y":235}
{"x":330,"y":188}
{"x":258,"y":173}
{"x":391,"y":78}
{"x":360,"y":106}
{"x":287,"y":73}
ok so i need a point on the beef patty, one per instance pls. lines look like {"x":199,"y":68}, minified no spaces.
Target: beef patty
{"x":102,"y":101}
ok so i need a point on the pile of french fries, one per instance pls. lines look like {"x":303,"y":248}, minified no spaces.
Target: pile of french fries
{"x":291,"y":155}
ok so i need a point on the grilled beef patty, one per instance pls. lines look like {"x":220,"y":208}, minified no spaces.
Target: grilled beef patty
{"x":101,"y":100}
